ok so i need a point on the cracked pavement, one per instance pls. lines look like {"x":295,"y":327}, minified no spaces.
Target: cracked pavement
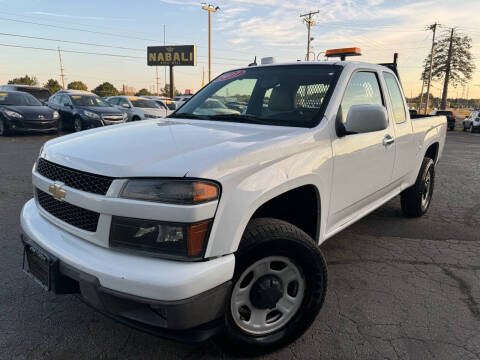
{"x":398,"y":288}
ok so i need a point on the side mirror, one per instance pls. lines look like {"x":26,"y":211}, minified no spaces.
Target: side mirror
{"x":363,"y":119}
{"x":126,"y":106}
{"x":67,"y":105}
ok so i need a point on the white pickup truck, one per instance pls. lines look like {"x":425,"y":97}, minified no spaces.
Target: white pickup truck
{"x":208,"y":223}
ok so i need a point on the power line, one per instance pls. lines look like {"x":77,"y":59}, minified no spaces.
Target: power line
{"x":95,"y":53}
{"x":106,"y":33}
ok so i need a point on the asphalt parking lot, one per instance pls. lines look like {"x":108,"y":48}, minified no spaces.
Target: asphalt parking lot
{"x":398,"y":288}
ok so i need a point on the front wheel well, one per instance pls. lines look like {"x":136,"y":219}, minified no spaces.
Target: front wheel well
{"x":299,"y":207}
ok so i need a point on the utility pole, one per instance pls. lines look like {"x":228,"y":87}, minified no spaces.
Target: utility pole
{"x":432,"y":54}
{"x":62,"y":75}
{"x":156,"y":70}
{"x":421,"y":95}
{"x":307,"y":18}
{"x":210,"y":9}
{"x":443,"y":104}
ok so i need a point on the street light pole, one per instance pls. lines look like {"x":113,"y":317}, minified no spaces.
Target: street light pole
{"x":210,"y":8}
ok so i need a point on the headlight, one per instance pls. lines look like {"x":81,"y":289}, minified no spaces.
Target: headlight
{"x":171,"y":240}
{"x":56,"y":115}
{"x":13,"y":114}
{"x":171,"y":191}
{"x":91,"y":114}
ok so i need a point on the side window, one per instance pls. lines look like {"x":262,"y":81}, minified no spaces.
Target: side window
{"x":66,"y":100}
{"x":362,"y":89}
{"x":396,"y":98}
{"x":113,"y":101}
{"x":122,"y":101}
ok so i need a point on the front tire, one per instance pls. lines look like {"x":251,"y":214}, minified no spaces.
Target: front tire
{"x":279,"y":286}
{"x":471,"y":129}
{"x":77,"y":124}
{"x":4,"y":131}
{"x":416,"y":199}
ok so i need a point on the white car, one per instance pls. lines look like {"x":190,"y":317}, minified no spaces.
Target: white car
{"x":167,"y":104}
{"x":137,"y":108}
{"x":181,"y":99}
{"x":472,"y":122}
{"x":202,"y":225}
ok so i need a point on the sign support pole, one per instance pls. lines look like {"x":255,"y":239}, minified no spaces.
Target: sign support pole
{"x":172,"y":83}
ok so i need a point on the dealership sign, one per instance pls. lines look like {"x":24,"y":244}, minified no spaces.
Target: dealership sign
{"x":173,"y":55}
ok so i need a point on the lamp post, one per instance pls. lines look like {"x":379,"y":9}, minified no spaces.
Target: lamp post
{"x":210,"y":9}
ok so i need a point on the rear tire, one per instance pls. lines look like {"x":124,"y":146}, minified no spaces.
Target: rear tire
{"x":4,"y":131}
{"x":416,"y":199}
{"x":279,"y":286}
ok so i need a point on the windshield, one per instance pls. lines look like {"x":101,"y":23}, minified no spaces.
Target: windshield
{"x":18,"y":99}
{"x":89,"y":100}
{"x":41,"y":95}
{"x":290,"y":95}
{"x":144,"y":103}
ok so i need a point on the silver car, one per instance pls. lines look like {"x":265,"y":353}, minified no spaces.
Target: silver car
{"x":137,"y":108}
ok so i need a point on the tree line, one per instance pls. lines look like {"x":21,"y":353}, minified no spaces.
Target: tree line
{"x":452,"y":63}
{"x":104,"y":89}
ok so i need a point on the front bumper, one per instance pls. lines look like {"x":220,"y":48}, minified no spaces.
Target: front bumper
{"x":26,"y":125}
{"x":194,"y":319}
{"x":151,"y":294}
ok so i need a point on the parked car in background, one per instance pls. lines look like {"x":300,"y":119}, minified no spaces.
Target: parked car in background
{"x":41,"y":93}
{"x":167,"y":104}
{"x":472,"y":122}
{"x":81,"y":110}
{"x":214,"y":106}
{"x":181,"y":99}
{"x":451,"y":117}
{"x":20,"y":111}
{"x":413,"y":112}
{"x":137,"y":108}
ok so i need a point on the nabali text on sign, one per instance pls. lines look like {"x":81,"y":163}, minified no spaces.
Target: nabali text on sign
{"x":178,"y":55}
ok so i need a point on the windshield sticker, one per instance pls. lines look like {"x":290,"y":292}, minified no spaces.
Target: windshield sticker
{"x":3,"y":94}
{"x":230,"y":75}
{"x":76,"y":96}
{"x":133,"y":99}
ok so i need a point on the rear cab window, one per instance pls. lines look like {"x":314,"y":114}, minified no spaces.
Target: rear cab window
{"x":396,"y":98}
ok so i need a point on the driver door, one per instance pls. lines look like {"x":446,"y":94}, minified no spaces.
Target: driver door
{"x":362,"y":163}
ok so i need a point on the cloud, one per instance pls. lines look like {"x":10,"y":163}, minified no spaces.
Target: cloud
{"x":75,"y":16}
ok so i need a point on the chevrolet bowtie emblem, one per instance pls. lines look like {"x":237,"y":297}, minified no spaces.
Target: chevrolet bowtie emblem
{"x":57,"y":191}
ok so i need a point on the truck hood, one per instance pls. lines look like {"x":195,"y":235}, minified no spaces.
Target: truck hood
{"x":163,"y":147}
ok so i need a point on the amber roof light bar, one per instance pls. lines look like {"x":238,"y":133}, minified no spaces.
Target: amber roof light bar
{"x":343,"y":53}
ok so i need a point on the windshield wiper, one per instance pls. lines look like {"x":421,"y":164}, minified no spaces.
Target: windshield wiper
{"x":186,"y":116}
{"x":235,"y":117}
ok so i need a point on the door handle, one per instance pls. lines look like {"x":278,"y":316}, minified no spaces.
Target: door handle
{"x":388,"y":140}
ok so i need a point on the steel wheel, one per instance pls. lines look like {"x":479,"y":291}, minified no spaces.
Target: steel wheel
{"x":267,"y":295}
{"x":426,"y":192}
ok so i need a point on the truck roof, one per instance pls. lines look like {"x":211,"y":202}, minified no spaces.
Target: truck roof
{"x":359,"y":64}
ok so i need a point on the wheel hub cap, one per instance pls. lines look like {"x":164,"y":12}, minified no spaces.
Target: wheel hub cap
{"x":267,"y":295}
{"x":266,"y":292}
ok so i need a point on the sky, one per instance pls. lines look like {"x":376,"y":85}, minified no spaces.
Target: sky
{"x":241,"y":30}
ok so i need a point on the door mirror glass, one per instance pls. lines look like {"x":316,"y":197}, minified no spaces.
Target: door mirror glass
{"x":365,"y":118}
{"x":67,"y":105}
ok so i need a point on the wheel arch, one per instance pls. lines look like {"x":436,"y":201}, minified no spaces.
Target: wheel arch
{"x":432,"y":151}
{"x":299,"y":206}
